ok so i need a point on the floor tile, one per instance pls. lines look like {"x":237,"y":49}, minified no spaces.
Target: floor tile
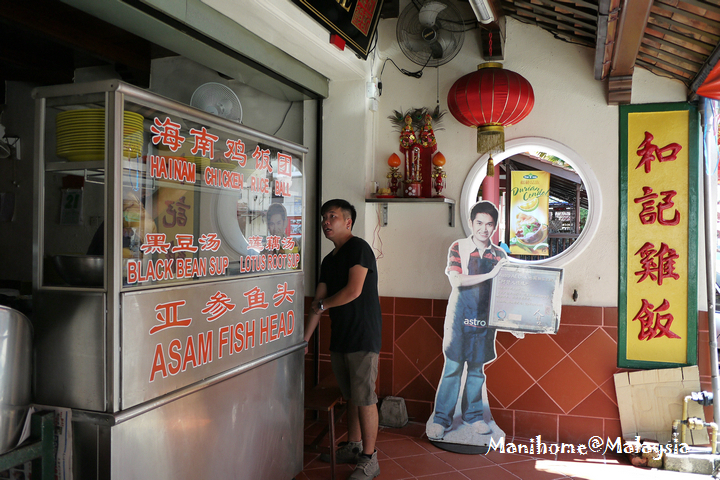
{"x":400,"y":448}
{"x":390,"y":470}
{"x":425,"y":443}
{"x":501,"y":458}
{"x":463,"y":462}
{"x":411,"y":429}
{"x":424,"y":465}
{"x":487,"y":473}
{"x":341,"y":472}
{"x":388,"y":434}
{"x":533,"y":469}
{"x":443,"y":476}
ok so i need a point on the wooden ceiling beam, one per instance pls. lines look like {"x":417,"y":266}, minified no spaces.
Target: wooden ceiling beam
{"x":660,"y":71}
{"x":570,"y":8}
{"x":685,"y":26}
{"x":676,"y":58}
{"x":571,"y":21}
{"x":689,"y":15}
{"x":702,"y":74}
{"x":649,"y":59}
{"x":681,"y":37}
{"x":663,"y":41}
{"x":631,"y":28}
{"x":607,"y":23}
{"x":707,"y":6}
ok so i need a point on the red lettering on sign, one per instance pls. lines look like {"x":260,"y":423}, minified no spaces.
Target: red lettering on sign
{"x":167,"y":133}
{"x":657,"y":264}
{"x":653,"y":324}
{"x":218,"y":305}
{"x":283,"y":294}
{"x":236,"y":152}
{"x":262,"y":159}
{"x":209,"y":241}
{"x":155,"y":243}
{"x":649,"y":152}
{"x":204,"y":143}
{"x":167,"y":315}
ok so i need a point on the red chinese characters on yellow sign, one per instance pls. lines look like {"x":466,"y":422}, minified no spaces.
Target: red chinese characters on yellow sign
{"x":656,"y":264}
{"x":649,"y":152}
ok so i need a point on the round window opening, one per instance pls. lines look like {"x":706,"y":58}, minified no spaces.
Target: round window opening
{"x":548,"y":198}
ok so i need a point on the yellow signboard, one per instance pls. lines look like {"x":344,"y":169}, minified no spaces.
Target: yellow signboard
{"x":529,"y":201}
{"x":658,"y":236}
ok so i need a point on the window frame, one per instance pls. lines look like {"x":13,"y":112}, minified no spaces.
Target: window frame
{"x":477,"y":174}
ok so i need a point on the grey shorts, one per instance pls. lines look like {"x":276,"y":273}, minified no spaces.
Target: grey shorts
{"x":356,"y":374}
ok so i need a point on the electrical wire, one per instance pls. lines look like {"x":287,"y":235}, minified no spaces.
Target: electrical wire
{"x":417,"y":74}
{"x":284,"y":118}
{"x":376,"y":232}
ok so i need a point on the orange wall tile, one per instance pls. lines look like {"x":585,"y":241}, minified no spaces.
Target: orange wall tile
{"x":572,"y":371}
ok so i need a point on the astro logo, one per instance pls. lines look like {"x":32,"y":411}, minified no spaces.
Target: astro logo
{"x":530,"y":176}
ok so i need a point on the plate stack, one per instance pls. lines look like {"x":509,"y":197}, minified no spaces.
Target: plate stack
{"x":81,"y":134}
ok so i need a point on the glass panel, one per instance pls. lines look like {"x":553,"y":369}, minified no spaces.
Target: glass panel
{"x":74,"y":192}
{"x":571,"y":206}
{"x":203,"y":202}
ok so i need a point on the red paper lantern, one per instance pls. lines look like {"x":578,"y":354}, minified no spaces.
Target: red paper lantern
{"x":490,"y":99}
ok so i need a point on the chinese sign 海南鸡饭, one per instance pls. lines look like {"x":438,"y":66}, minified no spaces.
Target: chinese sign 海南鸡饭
{"x":659,"y":151}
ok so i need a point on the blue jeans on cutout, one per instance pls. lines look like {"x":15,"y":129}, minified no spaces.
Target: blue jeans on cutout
{"x":449,"y":390}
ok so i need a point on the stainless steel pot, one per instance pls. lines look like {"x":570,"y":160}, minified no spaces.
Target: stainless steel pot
{"x":80,"y":270}
{"x":15,"y":375}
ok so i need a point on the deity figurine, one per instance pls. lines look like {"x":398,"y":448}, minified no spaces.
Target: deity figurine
{"x":427,"y":136}
{"x":407,"y":135}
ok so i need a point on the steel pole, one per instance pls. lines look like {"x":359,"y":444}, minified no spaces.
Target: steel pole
{"x":710,"y":239}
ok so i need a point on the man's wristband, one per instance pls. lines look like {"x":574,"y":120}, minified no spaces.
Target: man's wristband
{"x":321,"y":307}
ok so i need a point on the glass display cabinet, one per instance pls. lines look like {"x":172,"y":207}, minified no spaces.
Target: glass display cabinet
{"x":168,"y":285}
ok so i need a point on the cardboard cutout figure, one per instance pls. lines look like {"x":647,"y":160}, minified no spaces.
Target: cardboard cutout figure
{"x":461,"y":414}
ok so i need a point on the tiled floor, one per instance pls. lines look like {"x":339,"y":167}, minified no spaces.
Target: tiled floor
{"x":406,"y":453}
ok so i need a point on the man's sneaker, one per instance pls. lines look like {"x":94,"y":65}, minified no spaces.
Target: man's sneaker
{"x":367,"y":468}
{"x":435,"y":431}
{"x":348,"y":452}
{"x":479,"y":427}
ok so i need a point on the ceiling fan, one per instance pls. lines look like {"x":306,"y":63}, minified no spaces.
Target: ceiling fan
{"x":430,"y":32}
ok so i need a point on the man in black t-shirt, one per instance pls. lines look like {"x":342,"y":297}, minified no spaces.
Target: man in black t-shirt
{"x":348,"y":288}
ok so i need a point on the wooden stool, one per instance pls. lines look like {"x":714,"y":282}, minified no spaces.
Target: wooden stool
{"x":324,"y":398}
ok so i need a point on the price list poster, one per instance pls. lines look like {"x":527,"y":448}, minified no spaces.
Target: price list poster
{"x":659,"y":190}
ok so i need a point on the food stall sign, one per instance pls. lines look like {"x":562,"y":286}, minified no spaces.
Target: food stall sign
{"x":526,"y":298}
{"x":204,"y":203}
{"x":659,"y":175}
{"x":353,"y":20}
{"x":179,"y":336}
{"x":529,"y":205}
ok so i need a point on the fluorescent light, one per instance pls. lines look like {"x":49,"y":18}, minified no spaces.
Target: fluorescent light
{"x":482,"y":10}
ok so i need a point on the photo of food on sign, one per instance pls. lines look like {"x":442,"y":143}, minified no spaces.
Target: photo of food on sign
{"x":203,"y":202}
{"x":529,"y":204}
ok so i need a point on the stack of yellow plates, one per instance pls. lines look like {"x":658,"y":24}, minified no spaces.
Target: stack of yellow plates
{"x":81,"y":134}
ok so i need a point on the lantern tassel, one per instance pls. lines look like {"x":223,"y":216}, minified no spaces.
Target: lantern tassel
{"x":490,"y":167}
{"x":490,"y":139}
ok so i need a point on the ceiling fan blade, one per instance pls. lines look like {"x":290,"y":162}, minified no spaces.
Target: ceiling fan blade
{"x":429,"y":12}
{"x":416,"y":44}
{"x":436,"y":50}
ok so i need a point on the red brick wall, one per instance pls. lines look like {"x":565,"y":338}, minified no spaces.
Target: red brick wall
{"x":558,"y":386}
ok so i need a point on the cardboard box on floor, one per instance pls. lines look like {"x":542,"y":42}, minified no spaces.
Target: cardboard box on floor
{"x":650,"y":400}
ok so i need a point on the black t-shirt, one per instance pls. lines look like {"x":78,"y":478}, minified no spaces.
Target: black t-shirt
{"x":356,"y":326}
